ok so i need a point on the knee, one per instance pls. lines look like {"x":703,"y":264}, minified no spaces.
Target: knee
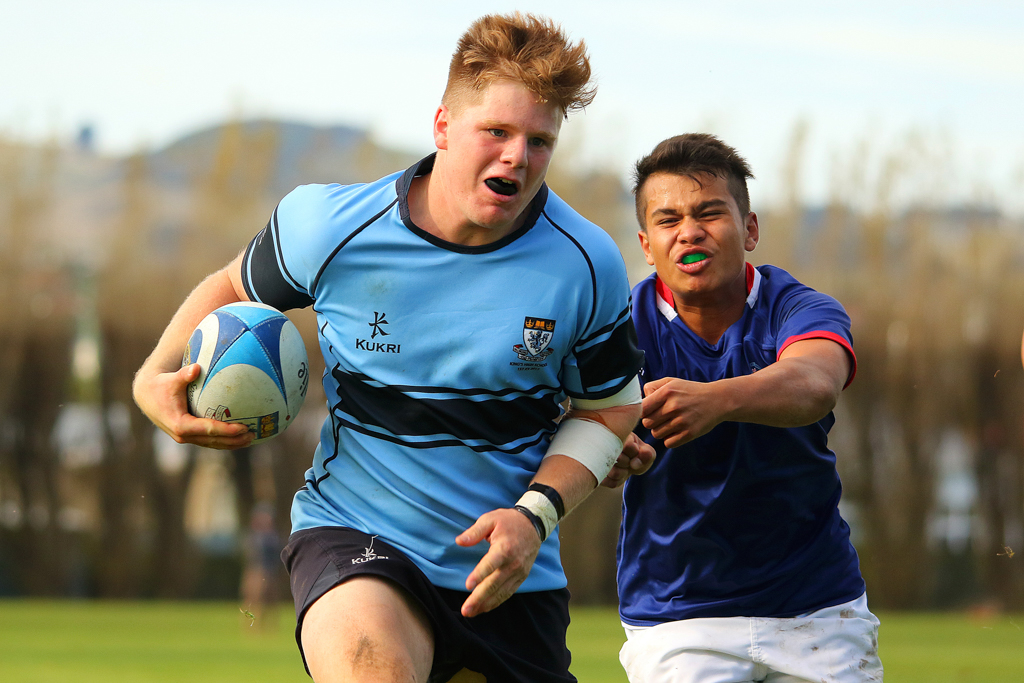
{"x":369,"y":659}
{"x":366,"y":630}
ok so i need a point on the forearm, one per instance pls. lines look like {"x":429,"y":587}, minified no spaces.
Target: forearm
{"x":160,"y":384}
{"x":215,"y":291}
{"x":790,"y":393}
{"x":573,"y":481}
{"x":797,"y":390}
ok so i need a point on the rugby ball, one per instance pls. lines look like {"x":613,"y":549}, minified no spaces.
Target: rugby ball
{"x":254,"y":368}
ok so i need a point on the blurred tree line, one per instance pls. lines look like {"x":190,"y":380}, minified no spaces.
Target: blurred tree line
{"x":97,"y":253}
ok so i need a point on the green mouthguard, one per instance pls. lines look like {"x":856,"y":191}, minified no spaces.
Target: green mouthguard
{"x":693,"y":258}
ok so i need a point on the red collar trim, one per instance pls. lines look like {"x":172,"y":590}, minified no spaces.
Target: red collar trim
{"x":667,"y":304}
{"x":664,"y":293}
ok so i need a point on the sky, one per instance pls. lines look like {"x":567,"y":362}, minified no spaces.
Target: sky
{"x":931,"y":93}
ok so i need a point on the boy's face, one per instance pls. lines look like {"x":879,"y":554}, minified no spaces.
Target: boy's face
{"x":497,"y":150}
{"x":695,"y":238}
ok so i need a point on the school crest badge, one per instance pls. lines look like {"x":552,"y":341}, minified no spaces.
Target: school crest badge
{"x":537,"y":335}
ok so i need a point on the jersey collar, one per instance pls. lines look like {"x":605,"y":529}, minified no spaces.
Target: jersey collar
{"x":425,"y":166}
{"x":667,"y":306}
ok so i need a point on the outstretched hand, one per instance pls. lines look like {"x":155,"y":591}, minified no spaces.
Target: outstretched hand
{"x":514,"y":547}
{"x":161,"y":396}
{"x":677,"y":411}
{"x":636,"y":458}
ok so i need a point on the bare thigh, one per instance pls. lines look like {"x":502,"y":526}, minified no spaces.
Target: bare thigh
{"x":367,"y":629}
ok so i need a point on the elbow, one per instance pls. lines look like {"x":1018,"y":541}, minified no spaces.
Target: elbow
{"x":822,"y":398}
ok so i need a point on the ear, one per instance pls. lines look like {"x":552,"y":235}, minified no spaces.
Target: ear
{"x":442,"y":118}
{"x":645,"y":244}
{"x":753,"y":232}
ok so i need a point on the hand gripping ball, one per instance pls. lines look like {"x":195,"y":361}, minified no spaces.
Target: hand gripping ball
{"x":254,"y":368}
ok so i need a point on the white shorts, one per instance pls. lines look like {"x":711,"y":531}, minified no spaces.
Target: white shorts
{"x":835,"y":644}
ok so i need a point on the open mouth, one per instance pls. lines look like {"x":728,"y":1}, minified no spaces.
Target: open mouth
{"x":502,"y":186}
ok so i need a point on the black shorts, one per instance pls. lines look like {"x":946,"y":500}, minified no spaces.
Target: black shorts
{"x":520,"y":641}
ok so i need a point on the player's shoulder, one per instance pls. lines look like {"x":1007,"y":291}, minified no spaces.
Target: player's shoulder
{"x":334,"y":196}
{"x":778,"y":278}
{"x":586,"y":236}
{"x":315,"y":206}
{"x":776,"y":284}
{"x":782,"y":298}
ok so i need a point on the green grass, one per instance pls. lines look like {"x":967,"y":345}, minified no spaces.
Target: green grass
{"x":951,"y":648}
{"x":164,"y":642}
{"x":142,"y":642}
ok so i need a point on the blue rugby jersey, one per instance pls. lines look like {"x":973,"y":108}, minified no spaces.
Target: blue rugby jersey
{"x":742,"y":521}
{"x":446,"y":364}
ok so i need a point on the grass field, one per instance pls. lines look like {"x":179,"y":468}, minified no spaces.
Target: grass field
{"x":154,"y":642}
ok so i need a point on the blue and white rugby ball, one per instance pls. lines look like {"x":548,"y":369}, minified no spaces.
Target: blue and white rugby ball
{"x":254,"y":368}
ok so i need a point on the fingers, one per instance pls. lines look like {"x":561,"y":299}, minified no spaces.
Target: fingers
{"x":211,"y":433}
{"x":203,"y":432}
{"x":162,"y":398}
{"x":636,"y":458}
{"x":672,"y":410}
{"x":514,"y":545}
{"x":480,"y":530}
{"x":655,"y":384}
{"x":498,"y":587}
{"x":644,"y":458}
{"x":616,"y":477}
{"x":188,"y":373}
{"x":654,"y":398}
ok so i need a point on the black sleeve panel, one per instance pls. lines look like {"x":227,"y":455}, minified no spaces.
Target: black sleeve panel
{"x":263,"y":278}
{"x":614,"y":358}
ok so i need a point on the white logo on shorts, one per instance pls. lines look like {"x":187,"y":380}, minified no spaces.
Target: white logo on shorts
{"x":369,"y":554}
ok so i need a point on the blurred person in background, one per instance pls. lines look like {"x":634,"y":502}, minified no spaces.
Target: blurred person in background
{"x":459,"y":303}
{"x":733,"y":561}
{"x":262,"y":555}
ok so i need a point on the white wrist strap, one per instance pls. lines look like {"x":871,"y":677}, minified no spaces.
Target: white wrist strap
{"x":587,"y":442}
{"x":543,"y":508}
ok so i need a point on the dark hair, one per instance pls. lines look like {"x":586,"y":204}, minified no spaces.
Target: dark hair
{"x":524,"y":48}
{"x":694,"y":155}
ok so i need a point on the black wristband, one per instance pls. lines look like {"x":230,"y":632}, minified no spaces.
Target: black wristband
{"x":551,"y":494}
{"x":534,"y":519}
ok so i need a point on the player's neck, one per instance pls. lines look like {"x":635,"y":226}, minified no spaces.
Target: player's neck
{"x":710,"y":315}
{"x":431,"y":208}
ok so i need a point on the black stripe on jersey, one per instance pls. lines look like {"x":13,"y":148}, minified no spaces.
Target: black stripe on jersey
{"x":247,"y":259}
{"x":438,"y":443}
{"x":277,"y":245}
{"x":316,"y":280}
{"x":425,"y":389}
{"x":616,"y":357}
{"x":261,"y":271}
{"x":623,"y":314}
{"x":336,"y":428}
{"x":315,"y":483}
{"x":590,"y":264}
{"x":494,"y":422}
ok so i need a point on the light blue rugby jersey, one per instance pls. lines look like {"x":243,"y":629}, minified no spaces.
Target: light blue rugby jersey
{"x":446,"y":364}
